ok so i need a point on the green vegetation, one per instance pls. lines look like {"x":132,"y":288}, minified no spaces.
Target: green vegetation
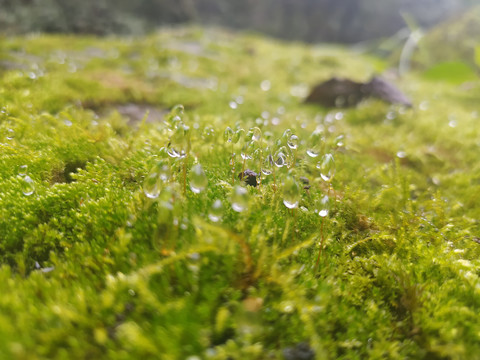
{"x":118,"y":235}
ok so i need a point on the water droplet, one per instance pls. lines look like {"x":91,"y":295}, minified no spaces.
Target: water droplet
{"x":316,"y":143}
{"x":401,"y":154}
{"x":256,"y":133}
{"x":208,"y":134}
{"x":28,"y":186}
{"x":10,"y":134}
{"x":238,"y":135}
{"x":280,"y":159}
{"x":216,"y":211}
{"x":22,"y":170}
{"x":247,"y":150}
{"x":286,"y":135}
{"x":327,"y":167}
{"x":163,"y":172}
{"x":265,"y":85}
{"x":323,"y":206}
{"x":239,"y":199}
{"x":233,"y":105}
{"x":275,"y":121}
{"x":228,"y":134}
{"x":340,"y":141}
{"x":287,"y":307}
{"x":178,"y":110}
{"x":67,"y":122}
{"x":292,"y":142}
{"x":291,"y":193}
{"x":151,"y":185}
{"x":267,"y":165}
{"x":177,"y":148}
{"x":198,"y":179}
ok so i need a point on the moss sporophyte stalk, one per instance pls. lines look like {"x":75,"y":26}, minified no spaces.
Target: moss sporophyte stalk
{"x":242,"y":224}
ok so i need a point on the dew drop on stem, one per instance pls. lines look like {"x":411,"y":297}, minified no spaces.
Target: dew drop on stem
{"x":291,"y":193}
{"x":28,"y":186}
{"x":256,"y":134}
{"x":323,"y":206}
{"x":216,"y":211}
{"x":292,"y":142}
{"x":239,"y":199}
{"x":228,"y":135}
{"x":198,"y":179}
{"x":22,"y":170}
{"x":327,"y":167}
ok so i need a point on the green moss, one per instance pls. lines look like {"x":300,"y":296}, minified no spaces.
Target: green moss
{"x":93,"y":268}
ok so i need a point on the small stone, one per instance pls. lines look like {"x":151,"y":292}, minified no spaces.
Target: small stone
{"x":249,"y":177}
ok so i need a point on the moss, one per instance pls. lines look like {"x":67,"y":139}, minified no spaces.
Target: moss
{"x":93,"y":267}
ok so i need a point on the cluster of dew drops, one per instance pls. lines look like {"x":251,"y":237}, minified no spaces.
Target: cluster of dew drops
{"x":271,"y":157}
{"x":27,"y":184}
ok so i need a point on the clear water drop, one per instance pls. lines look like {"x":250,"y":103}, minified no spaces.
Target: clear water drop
{"x":292,"y":142}
{"x":247,"y":150}
{"x":316,"y":143}
{"x":216,"y":211}
{"x":256,"y":134}
{"x":267,"y":165}
{"x":340,"y":141}
{"x":228,"y":134}
{"x":10,"y":134}
{"x":198,"y":179}
{"x":286,"y":135}
{"x":239,"y":199}
{"x":265,"y":85}
{"x":327,"y":167}
{"x":22,"y":170}
{"x":323,"y":206}
{"x":172,"y":152}
{"x":291,"y":193}
{"x":28,"y":186}
{"x":280,"y":159}
{"x":151,"y":186}
{"x":178,"y":110}
{"x":163,"y":172}
{"x":238,"y":135}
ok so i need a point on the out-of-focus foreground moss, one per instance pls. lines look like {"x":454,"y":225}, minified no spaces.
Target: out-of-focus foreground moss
{"x":92,"y":267}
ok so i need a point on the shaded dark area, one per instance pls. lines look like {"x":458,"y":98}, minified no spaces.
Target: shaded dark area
{"x":346,"y":93}
{"x":308,"y":20}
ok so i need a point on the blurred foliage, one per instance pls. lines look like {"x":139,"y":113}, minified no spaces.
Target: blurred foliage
{"x":455,"y":40}
{"x":307,"y":20}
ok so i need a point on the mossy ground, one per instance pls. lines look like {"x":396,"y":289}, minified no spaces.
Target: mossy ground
{"x":93,"y":268}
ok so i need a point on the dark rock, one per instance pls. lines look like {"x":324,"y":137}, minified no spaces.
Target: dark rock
{"x":347,"y":93}
{"x":382,"y":89}
{"x":249,"y":176}
{"x":302,"y":351}
{"x":336,"y":92}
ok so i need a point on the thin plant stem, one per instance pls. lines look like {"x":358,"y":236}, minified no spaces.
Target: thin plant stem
{"x":185,"y":175}
{"x":321,"y":245}
{"x":274,"y":179}
{"x":294,"y":211}
{"x":233,"y":166}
